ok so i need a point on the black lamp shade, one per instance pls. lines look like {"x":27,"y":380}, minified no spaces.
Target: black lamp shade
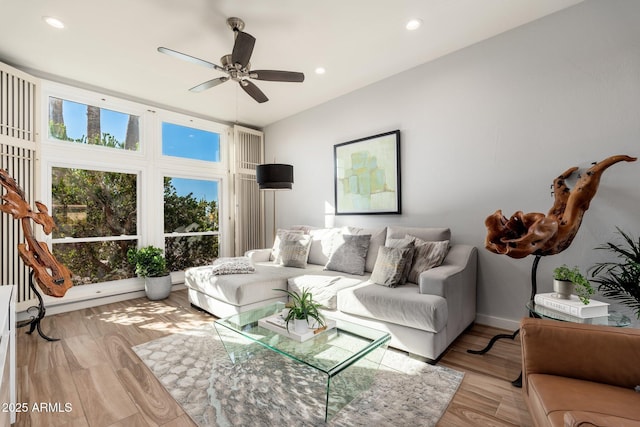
{"x":274,"y":176}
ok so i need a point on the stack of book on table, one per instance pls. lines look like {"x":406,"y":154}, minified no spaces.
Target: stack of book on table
{"x":276,"y":323}
{"x":572,"y":307}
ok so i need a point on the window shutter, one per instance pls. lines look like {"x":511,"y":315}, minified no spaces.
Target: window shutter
{"x":249,"y":203}
{"x":18,"y":144}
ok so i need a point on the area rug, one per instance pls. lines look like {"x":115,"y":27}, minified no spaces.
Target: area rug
{"x":272,"y":390}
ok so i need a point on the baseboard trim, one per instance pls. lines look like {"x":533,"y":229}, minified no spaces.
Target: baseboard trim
{"x":497,"y":322}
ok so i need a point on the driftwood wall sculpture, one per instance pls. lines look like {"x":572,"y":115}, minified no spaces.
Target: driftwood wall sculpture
{"x":53,"y":277}
{"x":538,"y":234}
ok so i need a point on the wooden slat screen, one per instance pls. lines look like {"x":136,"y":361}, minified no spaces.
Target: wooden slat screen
{"x":18,"y":124}
{"x":249,"y":203}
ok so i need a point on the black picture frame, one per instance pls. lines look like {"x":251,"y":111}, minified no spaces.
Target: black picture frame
{"x":367,"y":175}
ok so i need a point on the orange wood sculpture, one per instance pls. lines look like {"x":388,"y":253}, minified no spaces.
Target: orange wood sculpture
{"x":53,"y":277}
{"x":538,"y":234}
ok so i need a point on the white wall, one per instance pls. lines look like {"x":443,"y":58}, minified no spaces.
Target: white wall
{"x":488,"y":128}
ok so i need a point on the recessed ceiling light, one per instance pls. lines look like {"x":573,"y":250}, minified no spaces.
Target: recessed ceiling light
{"x":413,"y":24}
{"x":54,"y":22}
{"x":320,"y":70}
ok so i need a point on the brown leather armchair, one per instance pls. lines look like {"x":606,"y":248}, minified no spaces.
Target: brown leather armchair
{"x":580,"y":375}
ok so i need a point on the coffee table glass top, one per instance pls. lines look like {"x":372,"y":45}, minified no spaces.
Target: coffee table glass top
{"x":330,"y":351}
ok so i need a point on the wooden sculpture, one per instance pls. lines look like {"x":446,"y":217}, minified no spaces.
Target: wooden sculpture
{"x":53,"y":277}
{"x":538,"y":234}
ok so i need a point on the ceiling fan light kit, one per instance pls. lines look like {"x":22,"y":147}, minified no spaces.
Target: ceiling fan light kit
{"x":237,"y":66}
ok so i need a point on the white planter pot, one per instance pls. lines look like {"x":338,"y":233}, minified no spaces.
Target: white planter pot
{"x":157,"y":288}
{"x":300,"y":326}
{"x":563,"y":288}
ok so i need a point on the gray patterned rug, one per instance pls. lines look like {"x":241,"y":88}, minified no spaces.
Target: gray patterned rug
{"x":272,"y":390}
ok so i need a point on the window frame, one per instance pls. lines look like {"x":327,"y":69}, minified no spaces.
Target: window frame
{"x":147,"y":163}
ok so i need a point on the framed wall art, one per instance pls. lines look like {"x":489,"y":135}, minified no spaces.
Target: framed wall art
{"x":367,"y":175}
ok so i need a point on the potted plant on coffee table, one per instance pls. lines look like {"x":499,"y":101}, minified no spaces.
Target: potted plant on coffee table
{"x":149,"y":262}
{"x":302,"y":308}
{"x":567,"y":280}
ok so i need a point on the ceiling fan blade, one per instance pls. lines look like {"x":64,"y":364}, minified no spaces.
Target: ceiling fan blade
{"x":253,"y":91}
{"x":242,"y":48}
{"x":209,"y":84}
{"x":189,"y":58}
{"x":277,"y":76}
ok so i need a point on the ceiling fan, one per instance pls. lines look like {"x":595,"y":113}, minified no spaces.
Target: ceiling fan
{"x":237,"y":66}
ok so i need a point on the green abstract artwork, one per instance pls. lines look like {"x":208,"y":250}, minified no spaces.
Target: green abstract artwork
{"x":367,"y":175}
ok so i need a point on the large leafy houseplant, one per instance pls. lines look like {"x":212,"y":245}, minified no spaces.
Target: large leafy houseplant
{"x":620,"y":279}
{"x":582,"y":287}
{"x":148,"y":261}
{"x":302,"y":307}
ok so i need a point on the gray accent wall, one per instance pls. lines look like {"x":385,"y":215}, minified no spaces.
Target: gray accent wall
{"x":485,"y":128}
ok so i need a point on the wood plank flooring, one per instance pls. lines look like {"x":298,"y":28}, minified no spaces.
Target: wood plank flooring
{"x":91,"y":377}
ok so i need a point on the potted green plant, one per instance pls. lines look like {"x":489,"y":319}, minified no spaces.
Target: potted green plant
{"x":149,"y":262}
{"x":620,"y":279}
{"x":301,"y":308}
{"x":567,"y":280}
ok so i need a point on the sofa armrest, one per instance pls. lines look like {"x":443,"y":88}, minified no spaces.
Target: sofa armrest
{"x":589,"y":419}
{"x":603,"y":354}
{"x":459,"y":270}
{"x":258,"y":255}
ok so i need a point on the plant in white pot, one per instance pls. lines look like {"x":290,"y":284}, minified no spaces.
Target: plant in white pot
{"x":149,"y":262}
{"x":302,"y":308}
{"x":567,"y":280}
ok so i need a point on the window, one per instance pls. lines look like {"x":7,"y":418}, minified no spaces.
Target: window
{"x":87,"y":124}
{"x":96,"y":215}
{"x":191,"y":222}
{"x":190,"y":143}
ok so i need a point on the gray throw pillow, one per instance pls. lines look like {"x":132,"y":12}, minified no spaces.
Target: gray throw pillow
{"x":407,"y":242}
{"x":281,"y":235}
{"x":294,"y":253}
{"x":427,"y":255}
{"x":349,"y":253}
{"x":390,"y":266}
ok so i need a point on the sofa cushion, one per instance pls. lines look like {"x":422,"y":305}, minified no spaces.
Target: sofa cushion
{"x":378,"y":238}
{"x":295,"y":252}
{"x":390,"y":266}
{"x":402,"y":305}
{"x":243,"y":289}
{"x":551,"y":396}
{"x":427,"y":255}
{"x":323,"y":288}
{"x":431,"y":234}
{"x":349,"y":253}
{"x":321,"y":245}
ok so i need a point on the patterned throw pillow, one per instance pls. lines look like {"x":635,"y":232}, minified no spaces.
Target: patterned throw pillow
{"x":427,"y":255}
{"x":232,"y":265}
{"x":281,"y":235}
{"x":349,"y":253}
{"x":390,"y":266}
{"x":409,"y":243}
{"x":294,"y":253}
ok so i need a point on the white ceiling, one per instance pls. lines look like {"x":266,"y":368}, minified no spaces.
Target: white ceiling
{"x":112,"y":45}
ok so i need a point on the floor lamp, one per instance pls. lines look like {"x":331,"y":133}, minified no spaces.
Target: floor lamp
{"x":274,"y":177}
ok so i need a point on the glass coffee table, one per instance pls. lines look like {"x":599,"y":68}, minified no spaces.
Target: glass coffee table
{"x":347,"y":356}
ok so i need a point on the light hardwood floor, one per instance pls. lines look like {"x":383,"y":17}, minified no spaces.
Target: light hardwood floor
{"x":91,"y":377}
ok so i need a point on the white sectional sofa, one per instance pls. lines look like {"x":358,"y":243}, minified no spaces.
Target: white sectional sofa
{"x":423,"y":318}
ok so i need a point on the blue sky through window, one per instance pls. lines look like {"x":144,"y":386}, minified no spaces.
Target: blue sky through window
{"x":75,"y":120}
{"x":190,"y":143}
{"x":201,"y":189}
